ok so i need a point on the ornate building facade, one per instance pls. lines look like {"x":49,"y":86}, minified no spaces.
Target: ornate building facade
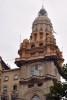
{"x":37,"y":64}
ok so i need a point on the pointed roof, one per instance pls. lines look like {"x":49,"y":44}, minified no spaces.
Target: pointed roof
{"x":4,"y":64}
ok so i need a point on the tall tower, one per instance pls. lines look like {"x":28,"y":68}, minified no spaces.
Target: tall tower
{"x":37,"y":60}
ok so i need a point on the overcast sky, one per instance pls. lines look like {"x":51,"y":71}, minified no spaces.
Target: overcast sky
{"x":16,"y":18}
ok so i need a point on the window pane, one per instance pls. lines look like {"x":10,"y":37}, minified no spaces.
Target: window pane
{"x":36,"y":67}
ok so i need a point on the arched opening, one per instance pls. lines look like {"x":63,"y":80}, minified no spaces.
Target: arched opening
{"x":33,"y":45}
{"x":41,"y":35}
{"x":41,"y":44}
{"x":35,"y":97}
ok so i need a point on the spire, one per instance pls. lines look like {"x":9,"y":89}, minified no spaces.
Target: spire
{"x":42,"y":3}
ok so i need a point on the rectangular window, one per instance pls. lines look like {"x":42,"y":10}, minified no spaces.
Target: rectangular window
{"x":4,"y":98}
{"x":15,"y":88}
{"x":5,"y":89}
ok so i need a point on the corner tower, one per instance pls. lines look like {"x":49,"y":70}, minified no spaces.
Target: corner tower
{"x":38,"y":56}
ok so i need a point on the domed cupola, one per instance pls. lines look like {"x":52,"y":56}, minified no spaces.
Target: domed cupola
{"x":42,"y":22}
{"x":42,"y":12}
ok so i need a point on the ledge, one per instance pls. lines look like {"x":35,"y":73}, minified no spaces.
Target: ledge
{"x":37,"y":79}
{"x":19,"y":62}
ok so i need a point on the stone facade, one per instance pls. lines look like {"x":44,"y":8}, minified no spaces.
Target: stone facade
{"x":36,"y":64}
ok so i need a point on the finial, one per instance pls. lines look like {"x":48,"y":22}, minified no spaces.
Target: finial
{"x":42,"y":11}
{"x":42,"y":3}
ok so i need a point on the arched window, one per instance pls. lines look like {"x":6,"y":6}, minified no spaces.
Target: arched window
{"x":35,"y":97}
{"x":33,"y":45}
{"x":41,"y":44}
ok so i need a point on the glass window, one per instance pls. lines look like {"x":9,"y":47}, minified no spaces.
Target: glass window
{"x":5,"y":89}
{"x":6,"y":78}
{"x":16,"y":77}
{"x":36,"y":70}
{"x":35,"y":97}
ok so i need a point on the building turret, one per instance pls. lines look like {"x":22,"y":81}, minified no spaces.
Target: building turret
{"x":37,"y":59}
{"x":42,"y":42}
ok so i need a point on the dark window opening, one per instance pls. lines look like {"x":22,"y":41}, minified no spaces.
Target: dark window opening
{"x":30,"y":37}
{"x":41,"y":52}
{"x":47,"y":34}
{"x":32,"y":46}
{"x":15,"y":88}
{"x":14,"y":97}
{"x":30,"y":85}
{"x":32,"y":54}
{"x":40,"y":84}
{"x":4,"y":98}
{"x":41,"y":44}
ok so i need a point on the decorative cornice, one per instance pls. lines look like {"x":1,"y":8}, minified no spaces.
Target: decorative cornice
{"x":37,"y":79}
{"x":19,"y":62}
